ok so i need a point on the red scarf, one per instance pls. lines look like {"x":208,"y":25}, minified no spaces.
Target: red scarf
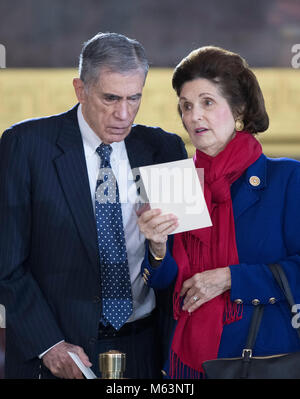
{"x":197,"y":335}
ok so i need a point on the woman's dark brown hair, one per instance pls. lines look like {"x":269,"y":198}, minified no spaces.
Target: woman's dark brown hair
{"x":236,"y":82}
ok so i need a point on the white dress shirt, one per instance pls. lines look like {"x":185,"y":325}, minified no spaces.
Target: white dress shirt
{"x":143,"y":297}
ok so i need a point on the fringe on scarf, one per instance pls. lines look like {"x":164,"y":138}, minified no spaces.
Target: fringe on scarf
{"x":179,"y":370}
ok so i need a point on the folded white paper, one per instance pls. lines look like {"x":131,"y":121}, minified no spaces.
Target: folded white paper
{"x":86,"y":371}
{"x":174,"y":187}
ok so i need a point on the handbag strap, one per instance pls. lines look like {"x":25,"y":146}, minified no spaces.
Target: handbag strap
{"x":283,"y":283}
{"x":254,"y":327}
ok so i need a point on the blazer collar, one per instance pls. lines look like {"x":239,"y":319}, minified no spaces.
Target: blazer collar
{"x":246,"y":191}
{"x":72,"y":173}
{"x":69,"y":136}
{"x":138,"y":153}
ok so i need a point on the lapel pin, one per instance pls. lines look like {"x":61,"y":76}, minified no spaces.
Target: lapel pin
{"x":254,"y":181}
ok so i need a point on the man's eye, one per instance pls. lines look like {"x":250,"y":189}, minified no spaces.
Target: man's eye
{"x":134,"y":98}
{"x":110,"y":98}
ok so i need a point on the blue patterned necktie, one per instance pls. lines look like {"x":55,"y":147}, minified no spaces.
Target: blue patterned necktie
{"x":115,"y":279}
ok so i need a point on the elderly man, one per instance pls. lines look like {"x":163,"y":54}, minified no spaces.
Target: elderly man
{"x":70,"y":261}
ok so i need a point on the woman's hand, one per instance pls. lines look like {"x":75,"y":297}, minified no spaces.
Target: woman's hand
{"x":156,"y":228}
{"x":203,"y":287}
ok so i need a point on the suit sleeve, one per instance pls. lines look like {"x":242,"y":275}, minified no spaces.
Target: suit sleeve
{"x":30,"y":324}
{"x":255,"y":281}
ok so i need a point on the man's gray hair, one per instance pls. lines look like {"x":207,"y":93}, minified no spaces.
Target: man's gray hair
{"x":111,"y":51}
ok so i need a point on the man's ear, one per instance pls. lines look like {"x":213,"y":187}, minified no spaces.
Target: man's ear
{"x":79,"y":90}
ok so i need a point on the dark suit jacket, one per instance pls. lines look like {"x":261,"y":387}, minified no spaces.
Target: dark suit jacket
{"x":49,"y":264}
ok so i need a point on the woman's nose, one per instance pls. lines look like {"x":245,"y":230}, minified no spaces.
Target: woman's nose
{"x":197,"y":113}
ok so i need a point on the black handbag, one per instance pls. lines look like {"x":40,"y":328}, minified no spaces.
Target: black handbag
{"x":282,"y":366}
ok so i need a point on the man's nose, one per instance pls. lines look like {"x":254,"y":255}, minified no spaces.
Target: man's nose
{"x":122,"y":110}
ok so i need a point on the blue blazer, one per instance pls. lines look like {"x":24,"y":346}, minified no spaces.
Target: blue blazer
{"x":49,"y":263}
{"x":267,"y":224}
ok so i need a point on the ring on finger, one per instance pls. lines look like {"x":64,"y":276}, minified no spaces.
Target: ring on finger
{"x":195,"y":298}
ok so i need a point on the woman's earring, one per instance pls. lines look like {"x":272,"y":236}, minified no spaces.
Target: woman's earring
{"x":239,"y":125}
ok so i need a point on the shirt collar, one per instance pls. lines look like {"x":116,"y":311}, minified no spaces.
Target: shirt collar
{"x":91,"y":141}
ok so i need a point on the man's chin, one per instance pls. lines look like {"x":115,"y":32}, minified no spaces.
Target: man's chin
{"x":114,"y":137}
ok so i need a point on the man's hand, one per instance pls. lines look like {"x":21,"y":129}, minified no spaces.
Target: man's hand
{"x":59,"y":362}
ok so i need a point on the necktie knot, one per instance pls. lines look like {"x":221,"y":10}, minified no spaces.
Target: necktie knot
{"x":104,"y":151}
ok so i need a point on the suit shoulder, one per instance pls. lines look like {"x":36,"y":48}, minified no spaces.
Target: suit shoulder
{"x":154,"y":132}
{"x":35,"y":126}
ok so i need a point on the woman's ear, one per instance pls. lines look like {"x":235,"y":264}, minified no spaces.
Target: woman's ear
{"x":239,"y":112}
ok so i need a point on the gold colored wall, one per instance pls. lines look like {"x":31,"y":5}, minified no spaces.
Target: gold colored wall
{"x":27,"y":93}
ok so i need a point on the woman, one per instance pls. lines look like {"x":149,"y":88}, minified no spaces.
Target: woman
{"x":221,"y":271}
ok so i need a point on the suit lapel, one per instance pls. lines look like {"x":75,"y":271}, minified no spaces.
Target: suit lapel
{"x":72,"y":172}
{"x":243,"y":197}
{"x":244,"y":193}
{"x":138,"y":153}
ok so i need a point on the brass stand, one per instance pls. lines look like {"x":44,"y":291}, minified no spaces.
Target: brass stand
{"x":112,"y":364}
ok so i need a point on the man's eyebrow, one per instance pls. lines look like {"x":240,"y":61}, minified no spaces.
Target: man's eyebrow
{"x":135,"y":95}
{"x":111,"y":95}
